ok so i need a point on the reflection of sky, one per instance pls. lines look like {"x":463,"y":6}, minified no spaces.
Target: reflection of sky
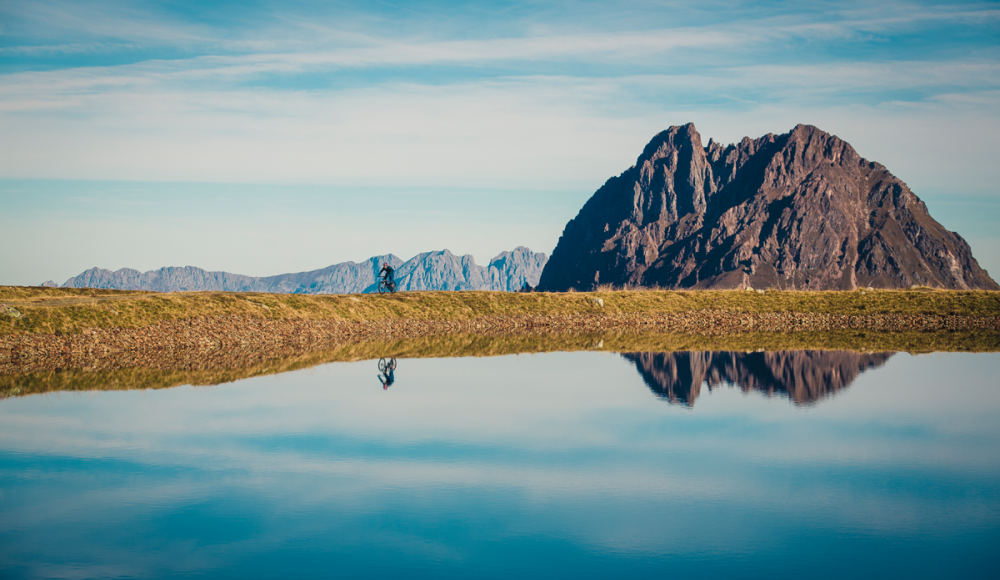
{"x":557,"y":462}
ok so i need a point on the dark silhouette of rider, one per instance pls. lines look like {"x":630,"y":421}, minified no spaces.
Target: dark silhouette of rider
{"x":388,"y":271}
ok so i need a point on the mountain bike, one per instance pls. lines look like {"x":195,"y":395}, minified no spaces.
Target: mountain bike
{"x":385,"y":284}
{"x":384,"y":365}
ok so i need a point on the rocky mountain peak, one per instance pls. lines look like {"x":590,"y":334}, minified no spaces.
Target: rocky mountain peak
{"x":802,"y":210}
{"x":676,"y":171}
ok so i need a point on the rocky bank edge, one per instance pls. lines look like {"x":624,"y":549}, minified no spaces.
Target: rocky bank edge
{"x":231,"y":341}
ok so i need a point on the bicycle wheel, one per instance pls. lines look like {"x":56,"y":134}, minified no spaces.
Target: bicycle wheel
{"x":382,"y":365}
{"x":391,"y":365}
{"x":392,"y":287}
{"x":382,"y":286}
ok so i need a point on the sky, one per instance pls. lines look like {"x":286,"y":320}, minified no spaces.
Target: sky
{"x":269,"y":137}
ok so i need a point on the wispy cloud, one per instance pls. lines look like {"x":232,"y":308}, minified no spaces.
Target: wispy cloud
{"x":128,"y":24}
{"x":75,"y":49}
{"x":100,"y":19}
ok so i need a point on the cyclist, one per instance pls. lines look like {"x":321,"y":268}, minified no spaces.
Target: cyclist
{"x":387,"y":271}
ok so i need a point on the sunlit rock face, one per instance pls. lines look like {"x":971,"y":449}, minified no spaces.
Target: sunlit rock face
{"x":804,"y":376}
{"x":796,"y":211}
{"x":441,"y":270}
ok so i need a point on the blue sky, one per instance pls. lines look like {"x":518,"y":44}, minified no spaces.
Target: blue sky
{"x":269,"y":137}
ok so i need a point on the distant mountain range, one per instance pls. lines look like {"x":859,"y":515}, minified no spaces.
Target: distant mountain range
{"x":441,"y":270}
{"x":798,"y":211}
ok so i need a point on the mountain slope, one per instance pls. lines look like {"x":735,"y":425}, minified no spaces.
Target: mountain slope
{"x":441,"y":270}
{"x":796,"y":211}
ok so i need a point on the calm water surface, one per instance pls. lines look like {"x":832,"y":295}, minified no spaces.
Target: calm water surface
{"x":759,"y":465}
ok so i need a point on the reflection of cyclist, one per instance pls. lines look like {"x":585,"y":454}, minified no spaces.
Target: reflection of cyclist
{"x":388,"y":375}
{"x":387,"y":378}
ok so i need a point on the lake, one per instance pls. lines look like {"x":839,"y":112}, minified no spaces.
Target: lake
{"x":804,"y":464}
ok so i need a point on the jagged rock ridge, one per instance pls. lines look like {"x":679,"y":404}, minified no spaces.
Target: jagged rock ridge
{"x":796,"y":211}
{"x":804,"y":376}
{"x":440,"y":270}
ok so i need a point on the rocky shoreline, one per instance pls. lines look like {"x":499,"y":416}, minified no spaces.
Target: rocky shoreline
{"x":232,"y":342}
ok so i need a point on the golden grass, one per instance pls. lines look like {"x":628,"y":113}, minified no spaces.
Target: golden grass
{"x":70,"y":310}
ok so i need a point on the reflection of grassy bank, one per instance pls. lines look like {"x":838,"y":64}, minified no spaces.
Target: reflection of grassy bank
{"x":144,"y":378}
{"x":70,"y":310}
{"x":478,"y":345}
{"x":460,"y":345}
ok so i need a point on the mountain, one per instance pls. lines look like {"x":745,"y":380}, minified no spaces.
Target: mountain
{"x":441,"y":270}
{"x":804,"y":376}
{"x":796,"y":211}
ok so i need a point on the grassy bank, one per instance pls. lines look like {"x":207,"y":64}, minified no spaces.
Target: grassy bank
{"x":71,"y":310}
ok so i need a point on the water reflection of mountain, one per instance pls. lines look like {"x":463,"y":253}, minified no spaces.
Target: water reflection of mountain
{"x":804,"y":376}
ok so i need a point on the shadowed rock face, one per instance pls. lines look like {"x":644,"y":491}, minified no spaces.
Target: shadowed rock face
{"x":796,"y":211}
{"x":441,"y":270}
{"x":804,"y":376}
